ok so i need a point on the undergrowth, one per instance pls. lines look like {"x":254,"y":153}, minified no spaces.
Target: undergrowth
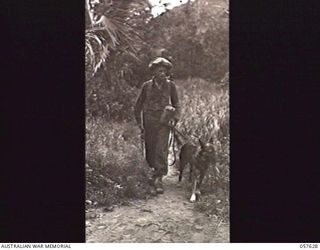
{"x":115,"y":169}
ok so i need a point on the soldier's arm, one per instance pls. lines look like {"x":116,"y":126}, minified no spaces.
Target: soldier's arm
{"x":139,"y":105}
{"x":175,"y":100}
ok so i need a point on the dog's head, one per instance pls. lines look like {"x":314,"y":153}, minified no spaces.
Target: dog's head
{"x":207,"y":152}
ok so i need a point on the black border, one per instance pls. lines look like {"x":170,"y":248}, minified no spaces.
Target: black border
{"x":274,"y":129}
{"x":44,"y":122}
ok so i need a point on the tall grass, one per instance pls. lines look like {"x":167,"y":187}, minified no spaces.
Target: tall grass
{"x":115,"y":169}
{"x":205,"y":115}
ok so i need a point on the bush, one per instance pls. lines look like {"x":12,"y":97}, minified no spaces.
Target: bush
{"x":109,"y":98}
{"x":115,"y":169}
{"x":201,"y":49}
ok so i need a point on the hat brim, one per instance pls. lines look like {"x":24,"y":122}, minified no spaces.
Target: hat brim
{"x":160,"y":62}
{"x":155,"y":66}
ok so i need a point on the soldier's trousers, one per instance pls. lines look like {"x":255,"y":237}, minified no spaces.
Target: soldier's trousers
{"x":156,"y":144}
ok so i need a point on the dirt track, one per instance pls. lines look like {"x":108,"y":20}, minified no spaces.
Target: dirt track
{"x":169,"y":218}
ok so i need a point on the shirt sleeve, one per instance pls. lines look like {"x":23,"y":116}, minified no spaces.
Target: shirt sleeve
{"x":139,"y":105}
{"x":175,"y":100}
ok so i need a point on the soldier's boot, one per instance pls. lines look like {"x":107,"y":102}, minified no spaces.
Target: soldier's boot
{"x":152,"y":179}
{"x":158,"y":185}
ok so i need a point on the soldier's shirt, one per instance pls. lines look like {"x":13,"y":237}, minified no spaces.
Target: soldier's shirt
{"x":154,"y":98}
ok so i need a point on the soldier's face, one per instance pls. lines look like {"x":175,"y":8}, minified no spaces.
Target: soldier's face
{"x":160,"y":73}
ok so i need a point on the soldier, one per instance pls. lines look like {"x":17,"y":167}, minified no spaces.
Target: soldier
{"x":157,"y":96}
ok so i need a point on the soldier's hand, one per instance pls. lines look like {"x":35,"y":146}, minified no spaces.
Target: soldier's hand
{"x":174,"y":122}
{"x":142,"y":134}
{"x":140,"y":127}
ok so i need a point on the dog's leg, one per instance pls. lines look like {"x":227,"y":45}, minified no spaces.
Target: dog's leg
{"x":193,"y":197}
{"x":202,"y":174}
{"x":182,"y":164}
{"x":198,"y":192}
{"x":190,"y":172}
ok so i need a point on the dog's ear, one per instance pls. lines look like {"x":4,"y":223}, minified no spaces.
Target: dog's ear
{"x":202,"y":144}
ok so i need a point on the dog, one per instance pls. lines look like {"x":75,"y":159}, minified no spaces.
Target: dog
{"x":199,"y":158}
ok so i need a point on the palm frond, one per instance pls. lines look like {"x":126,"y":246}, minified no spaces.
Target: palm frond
{"x":97,"y":50}
{"x":111,"y":32}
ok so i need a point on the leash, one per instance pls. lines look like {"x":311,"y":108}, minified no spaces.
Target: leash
{"x":171,"y":143}
{"x":143,"y":150}
{"x":175,"y":130}
{"x":174,"y":137}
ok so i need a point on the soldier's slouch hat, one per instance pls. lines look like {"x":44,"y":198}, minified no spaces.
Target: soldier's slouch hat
{"x":160,"y":61}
